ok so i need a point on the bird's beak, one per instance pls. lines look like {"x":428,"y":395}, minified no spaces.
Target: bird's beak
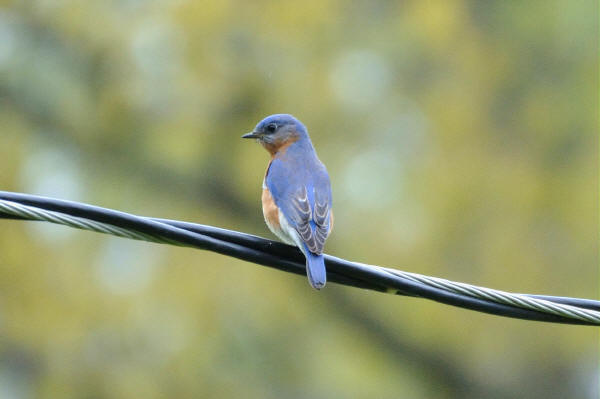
{"x":251,"y":135}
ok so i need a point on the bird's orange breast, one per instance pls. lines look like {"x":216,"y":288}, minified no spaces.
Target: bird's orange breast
{"x":270,"y":210}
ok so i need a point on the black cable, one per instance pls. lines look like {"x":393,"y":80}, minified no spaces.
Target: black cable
{"x":287,"y":258}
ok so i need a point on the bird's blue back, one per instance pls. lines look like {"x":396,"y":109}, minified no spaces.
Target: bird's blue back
{"x":298,"y":168}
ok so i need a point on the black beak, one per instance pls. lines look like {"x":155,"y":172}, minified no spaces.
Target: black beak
{"x":251,"y":135}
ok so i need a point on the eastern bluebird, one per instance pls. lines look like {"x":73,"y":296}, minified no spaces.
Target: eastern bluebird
{"x":296,"y":197}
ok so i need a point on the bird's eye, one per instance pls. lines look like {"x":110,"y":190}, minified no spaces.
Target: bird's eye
{"x":271,"y":127}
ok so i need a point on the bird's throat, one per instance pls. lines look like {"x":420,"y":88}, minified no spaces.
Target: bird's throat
{"x":279,"y":147}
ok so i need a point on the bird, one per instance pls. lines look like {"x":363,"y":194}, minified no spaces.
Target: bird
{"x":296,"y":191}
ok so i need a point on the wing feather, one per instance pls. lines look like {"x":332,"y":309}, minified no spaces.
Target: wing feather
{"x":311,"y":222}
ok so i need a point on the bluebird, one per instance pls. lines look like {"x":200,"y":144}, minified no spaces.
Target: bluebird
{"x":296,"y":196}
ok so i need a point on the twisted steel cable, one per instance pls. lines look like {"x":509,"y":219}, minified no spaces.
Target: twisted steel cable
{"x":283,"y":257}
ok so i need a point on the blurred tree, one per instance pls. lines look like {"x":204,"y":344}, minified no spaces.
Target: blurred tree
{"x":464,"y":132}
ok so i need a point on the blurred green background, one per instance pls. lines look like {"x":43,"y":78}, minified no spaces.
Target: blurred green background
{"x":462,"y":142}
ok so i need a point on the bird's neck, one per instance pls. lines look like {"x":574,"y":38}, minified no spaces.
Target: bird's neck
{"x":291,"y":146}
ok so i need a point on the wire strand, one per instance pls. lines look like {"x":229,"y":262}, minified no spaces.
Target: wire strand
{"x":283,"y":257}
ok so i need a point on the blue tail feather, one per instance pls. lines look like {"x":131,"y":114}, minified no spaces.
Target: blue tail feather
{"x":315,"y":270}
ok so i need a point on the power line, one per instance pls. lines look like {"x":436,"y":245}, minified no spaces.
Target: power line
{"x":283,"y":257}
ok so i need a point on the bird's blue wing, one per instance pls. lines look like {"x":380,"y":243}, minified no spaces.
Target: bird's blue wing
{"x":303,"y":194}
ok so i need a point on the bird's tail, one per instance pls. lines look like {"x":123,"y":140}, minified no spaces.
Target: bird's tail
{"x":315,"y":270}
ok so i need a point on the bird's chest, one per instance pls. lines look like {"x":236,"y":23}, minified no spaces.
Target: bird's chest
{"x":270,"y":210}
{"x":275,"y":219}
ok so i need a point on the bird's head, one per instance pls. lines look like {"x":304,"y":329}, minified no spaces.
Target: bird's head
{"x":277,"y":131}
